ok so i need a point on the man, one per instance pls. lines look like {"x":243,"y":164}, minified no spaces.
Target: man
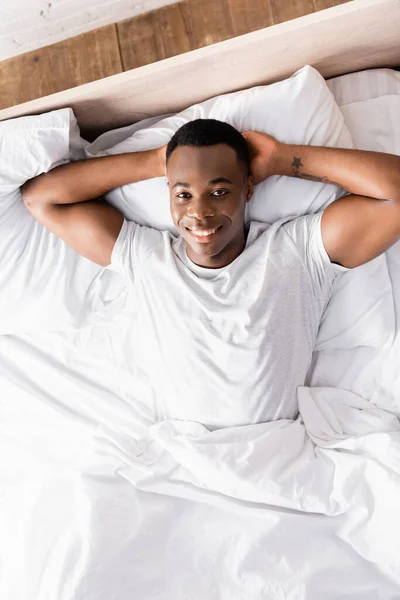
{"x":227,"y":314}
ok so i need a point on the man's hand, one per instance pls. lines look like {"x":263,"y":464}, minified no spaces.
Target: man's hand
{"x":263,"y":151}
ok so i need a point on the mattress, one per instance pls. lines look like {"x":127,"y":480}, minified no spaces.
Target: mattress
{"x":84,"y":517}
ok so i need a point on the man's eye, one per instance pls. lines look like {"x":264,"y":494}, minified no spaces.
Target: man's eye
{"x":183,"y":195}
{"x":219,"y":192}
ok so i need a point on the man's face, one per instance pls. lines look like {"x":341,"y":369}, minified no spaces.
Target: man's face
{"x":209,"y":188}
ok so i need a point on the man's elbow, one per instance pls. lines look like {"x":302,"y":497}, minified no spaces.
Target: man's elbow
{"x":29,"y":197}
{"x":34,"y":197}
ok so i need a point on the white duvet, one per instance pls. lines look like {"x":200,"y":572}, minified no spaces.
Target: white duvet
{"x":99,"y":501}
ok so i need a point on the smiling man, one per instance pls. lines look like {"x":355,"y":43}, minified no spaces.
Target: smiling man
{"x":228,"y":312}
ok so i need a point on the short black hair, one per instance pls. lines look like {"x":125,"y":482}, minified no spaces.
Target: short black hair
{"x":208,"y":132}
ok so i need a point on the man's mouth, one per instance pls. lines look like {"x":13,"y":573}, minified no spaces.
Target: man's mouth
{"x":203,"y":235}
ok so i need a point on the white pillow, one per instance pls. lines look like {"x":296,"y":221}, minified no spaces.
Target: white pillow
{"x":364,"y":85}
{"x":43,"y":282}
{"x":115,"y":136}
{"x":370,"y":103}
{"x":299,"y":110}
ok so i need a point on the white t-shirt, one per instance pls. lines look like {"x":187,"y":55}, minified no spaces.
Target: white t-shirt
{"x":227,"y":346}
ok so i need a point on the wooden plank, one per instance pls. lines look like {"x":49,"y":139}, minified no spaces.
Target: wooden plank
{"x":284,"y":11}
{"x":249,"y":16}
{"x":322,"y":4}
{"x":73,"y":62}
{"x":153,"y":36}
{"x":172,"y":30}
{"x":356,"y":35}
{"x":207,"y":22}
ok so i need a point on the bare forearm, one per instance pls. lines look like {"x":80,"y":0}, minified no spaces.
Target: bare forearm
{"x":372,"y":174}
{"x":89,"y":179}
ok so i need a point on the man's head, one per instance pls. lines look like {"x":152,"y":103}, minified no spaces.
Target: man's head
{"x":209,"y":179}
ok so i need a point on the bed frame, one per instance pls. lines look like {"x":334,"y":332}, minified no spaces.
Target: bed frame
{"x":358,"y":35}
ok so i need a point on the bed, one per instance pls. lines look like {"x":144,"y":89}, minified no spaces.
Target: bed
{"x":99,"y":499}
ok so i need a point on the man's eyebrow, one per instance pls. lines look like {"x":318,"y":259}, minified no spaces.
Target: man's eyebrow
{"x":219,"y":180}
{"x":211,"y":182}
{"x":181,"y":184}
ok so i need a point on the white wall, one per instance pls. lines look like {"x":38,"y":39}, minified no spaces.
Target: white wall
{"x":30,"y":24}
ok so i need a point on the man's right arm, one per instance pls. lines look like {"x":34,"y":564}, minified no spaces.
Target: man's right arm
{"x":64,"y":200}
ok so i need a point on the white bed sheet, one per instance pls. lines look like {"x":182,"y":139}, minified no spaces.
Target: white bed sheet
{"x":74,"y":437}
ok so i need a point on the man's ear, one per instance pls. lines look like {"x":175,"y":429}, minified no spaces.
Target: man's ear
{"x":249,"y":187}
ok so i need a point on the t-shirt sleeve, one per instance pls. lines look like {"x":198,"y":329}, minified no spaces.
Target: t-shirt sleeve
{"x":121,"y":259}
{"x":306,"y":234}
{"x":134,"y":243}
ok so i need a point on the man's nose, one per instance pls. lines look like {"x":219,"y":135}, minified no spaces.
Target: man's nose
{"x":201,"y":207}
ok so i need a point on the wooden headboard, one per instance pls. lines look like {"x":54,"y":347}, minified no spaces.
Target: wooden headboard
{"x":358,"y":35}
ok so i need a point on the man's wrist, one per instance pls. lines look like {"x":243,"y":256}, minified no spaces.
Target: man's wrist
{"x":283,"y":158}
{"x":146,"y":164}
{"x":160,"y":161}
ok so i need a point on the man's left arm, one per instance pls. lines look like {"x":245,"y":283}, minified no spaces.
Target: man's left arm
{"x":362,"y":225}
{"x":355,"y":228}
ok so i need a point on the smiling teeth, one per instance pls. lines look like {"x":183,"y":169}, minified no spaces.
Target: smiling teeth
{"x":204,"y":233}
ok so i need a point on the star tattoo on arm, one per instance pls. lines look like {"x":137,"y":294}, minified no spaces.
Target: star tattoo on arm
{"x":296,"y":164}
